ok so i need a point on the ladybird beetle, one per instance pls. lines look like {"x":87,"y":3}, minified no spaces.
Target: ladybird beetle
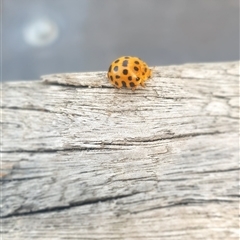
{"x":128,"y":72}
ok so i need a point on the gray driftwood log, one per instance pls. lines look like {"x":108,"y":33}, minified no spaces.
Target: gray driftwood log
{"x":82,"y":160}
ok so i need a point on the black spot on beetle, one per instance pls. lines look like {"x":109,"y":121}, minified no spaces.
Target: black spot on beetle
{"x":137,"y":62}
{"x":124,"y":84}
{"x":126,"y":57}
{"x":115,"y":68}
{"x":138,"y":79}
{"x":110,"y":68}
{"x":125,"y":71}
{"x":145,"y":69}
{"x":130,"y":78}
{"x":117,"y":76}
{"x":136,"y":68}
{"x":132,"y":84}
{"x":117,"y":61}
{"x":111,"y":78}
{"x":125,"y":63}
{"x":116,"y":83}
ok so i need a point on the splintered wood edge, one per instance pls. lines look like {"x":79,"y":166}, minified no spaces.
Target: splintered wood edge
{"x":85,"y":79}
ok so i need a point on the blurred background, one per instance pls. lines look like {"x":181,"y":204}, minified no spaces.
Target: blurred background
{"x":54,"y":36}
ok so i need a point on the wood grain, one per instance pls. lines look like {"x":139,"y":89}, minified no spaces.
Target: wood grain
{"x":82,"y":160}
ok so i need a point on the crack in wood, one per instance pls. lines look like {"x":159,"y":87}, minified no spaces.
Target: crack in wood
{"x":219,"y":170}
{"x":102,"y":145}
{"x":176,"y":137}
{"x":71,"y":205}
{"x":59,"y":150}
{"x":21,"y":179}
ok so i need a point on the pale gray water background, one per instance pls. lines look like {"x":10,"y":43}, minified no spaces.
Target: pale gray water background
{"x":52,"y":36}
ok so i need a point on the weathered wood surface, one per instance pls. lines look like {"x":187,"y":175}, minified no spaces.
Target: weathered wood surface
{"x":87,"y":161}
